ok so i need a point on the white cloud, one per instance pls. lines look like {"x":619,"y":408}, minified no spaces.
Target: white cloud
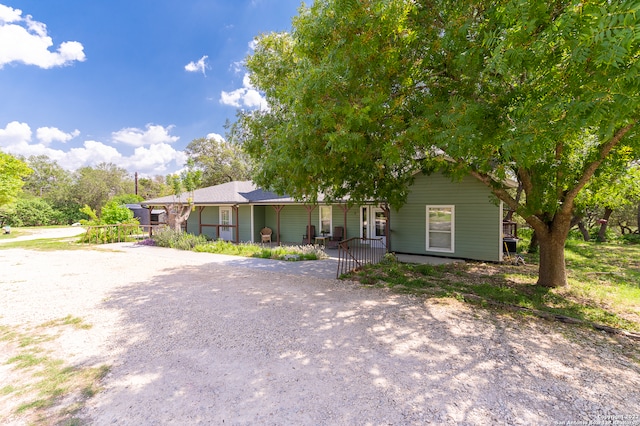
{"x":154,"y":134}
{"x":158,"y":158}
{"x":91,"y":153}
{"x":25,"y":40}
{"x":245,"y":96}
{"x":216,"y":137}
{"x":9,"y":15}
{"x":199,"y":66}
{"x":155,"y":159}
{"x":46,"y":135}
{"x":15,"y":133}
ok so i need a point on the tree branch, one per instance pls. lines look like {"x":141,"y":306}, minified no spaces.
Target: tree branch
{"x":591,"y":168}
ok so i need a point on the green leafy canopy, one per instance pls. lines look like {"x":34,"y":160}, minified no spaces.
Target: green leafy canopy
{"x":12,"y":172}
{"x":363,"y":94}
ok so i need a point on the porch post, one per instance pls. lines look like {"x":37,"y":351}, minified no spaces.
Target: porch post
{"x":345,"y":209}
{"x":200,"y":219}
{"x":235,"y":210}
{"x":309,"y":210}
{"x":278,"y":209}
{"x":150,"y":208}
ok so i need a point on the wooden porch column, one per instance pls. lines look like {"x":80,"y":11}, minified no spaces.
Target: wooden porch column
{"x":345,"y":209}
{"x":309,"y":210}
{"x":235,"y":210}
{"x":200,"y":219}
{"x":278,"y":209}
{"x":149,"y":208}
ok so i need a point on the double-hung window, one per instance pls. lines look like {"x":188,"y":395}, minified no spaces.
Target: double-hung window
{"x":440,"y":228}
{"x":325,"y":220}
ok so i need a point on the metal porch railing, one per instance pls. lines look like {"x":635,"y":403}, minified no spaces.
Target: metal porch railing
{"x":354,"y":253}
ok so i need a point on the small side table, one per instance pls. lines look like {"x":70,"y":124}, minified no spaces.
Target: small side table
{"x":322,"y":240}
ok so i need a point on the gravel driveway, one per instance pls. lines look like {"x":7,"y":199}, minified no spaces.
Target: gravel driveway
{"x":201,"y":338}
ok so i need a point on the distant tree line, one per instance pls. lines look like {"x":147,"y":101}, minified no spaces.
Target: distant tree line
{"x":37,"y":191}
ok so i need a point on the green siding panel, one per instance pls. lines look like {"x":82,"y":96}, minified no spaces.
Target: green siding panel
{"x":477,"y":218}
{"x":244,"y":223}
{"x":210,"y":215}
{"x":259,"y":221}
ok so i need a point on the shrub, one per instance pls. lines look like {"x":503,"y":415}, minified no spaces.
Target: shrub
{"x":32,"y":212}
{"x":102,"y":232}
{"x":178,"y":240}
{"x":630,"y":238}
{"x":114,"y":212}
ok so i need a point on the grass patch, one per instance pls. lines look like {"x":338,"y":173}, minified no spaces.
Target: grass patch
{"x":68,"y":320}
{"x":45,"y":244}
{"x":604,"y":284}
{"x":40,"y":381}
{"x":14,"y":233}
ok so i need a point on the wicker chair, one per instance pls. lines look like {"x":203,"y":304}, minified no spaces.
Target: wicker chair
{"x":265,"y":233}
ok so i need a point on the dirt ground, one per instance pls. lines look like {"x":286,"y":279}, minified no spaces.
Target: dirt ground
{"x":200,"y":338}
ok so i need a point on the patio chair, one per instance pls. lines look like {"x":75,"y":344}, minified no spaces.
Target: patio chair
{"x":265,"y":233}
{"x":309,"y":237}
{"x":338,"y":235}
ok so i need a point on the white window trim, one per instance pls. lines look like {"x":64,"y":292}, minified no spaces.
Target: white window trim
{"x":453,"y":229}
{"x":319,"y":232}
{"x":366,"y":218}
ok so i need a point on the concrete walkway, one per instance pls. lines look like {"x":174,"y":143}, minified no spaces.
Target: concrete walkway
{"x":46,"y":233}
{"x":431,"y":260}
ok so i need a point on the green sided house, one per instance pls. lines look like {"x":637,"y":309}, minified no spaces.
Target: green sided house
{"x":440,"y":218}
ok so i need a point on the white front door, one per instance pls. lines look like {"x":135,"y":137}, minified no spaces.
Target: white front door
{"x":379,"y":228}
{"x":226,"y":232}
{"x":373,"y":223}
{"x":364,"y":222}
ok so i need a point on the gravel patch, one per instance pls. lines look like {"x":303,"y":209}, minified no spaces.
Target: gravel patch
{"x":202,"y":338}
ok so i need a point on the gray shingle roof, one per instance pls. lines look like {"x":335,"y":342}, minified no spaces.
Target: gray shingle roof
{"x":236,"y":192}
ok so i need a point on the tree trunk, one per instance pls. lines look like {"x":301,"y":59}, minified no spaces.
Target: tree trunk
{"x":552,"y":237}
{"x":176,"y":215}
{"x":552,"y":270}
{"x":584,"y":231}
{"x":602,"y":233}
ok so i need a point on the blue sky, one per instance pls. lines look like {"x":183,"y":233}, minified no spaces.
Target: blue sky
{"x":129,"y":82}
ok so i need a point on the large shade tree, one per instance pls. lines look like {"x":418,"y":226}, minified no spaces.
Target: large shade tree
{"x":94,"y":186}
{"x":12,"y":173}
{"x":183,"y":186}
{"x":362,"y":94}
{"x":219,"y":160}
